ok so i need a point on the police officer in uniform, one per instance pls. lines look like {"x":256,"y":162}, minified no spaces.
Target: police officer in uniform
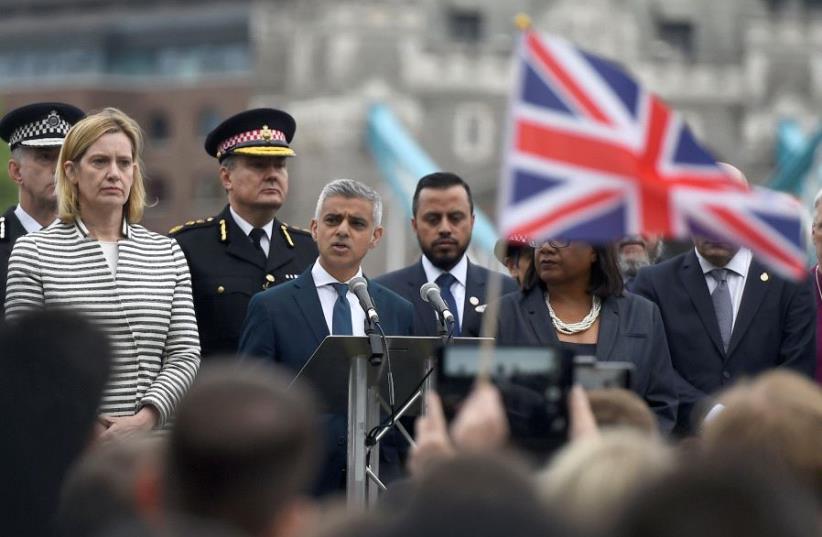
{"x":244,"y":249}
{"x":34,"y":133}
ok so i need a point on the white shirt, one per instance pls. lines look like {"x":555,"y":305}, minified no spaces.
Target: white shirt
{"x":328,"y":296}
{"x":265,"y":242}
{"x":736,"y":277}
{"x":29,"y":224}
{"x":111,"y":254}
{"x":459,"y":271}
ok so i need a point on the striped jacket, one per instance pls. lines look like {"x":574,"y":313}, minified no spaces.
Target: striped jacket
{"x":146,"y":310}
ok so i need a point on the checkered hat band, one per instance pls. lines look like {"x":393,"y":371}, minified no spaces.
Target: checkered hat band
{"x":52,"y":126}
{"x":250,"y":136}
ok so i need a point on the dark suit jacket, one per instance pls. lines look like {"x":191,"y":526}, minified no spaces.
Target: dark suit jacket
{"x":630,"y":330}
{"x":407,"y":281}
{"x":10,"y":230}
{"x":285,"y":324}
{"x":774,"y":327}
{"x":226,"y":271}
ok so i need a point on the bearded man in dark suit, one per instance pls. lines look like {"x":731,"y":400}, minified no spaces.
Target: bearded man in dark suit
{"x":443,"y":222}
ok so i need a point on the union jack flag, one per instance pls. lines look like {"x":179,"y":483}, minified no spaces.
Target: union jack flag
{"x":593,"y":156}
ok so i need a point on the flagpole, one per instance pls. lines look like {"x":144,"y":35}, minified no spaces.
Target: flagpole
{"x":494,"y":290}
{"x":523,"y":22}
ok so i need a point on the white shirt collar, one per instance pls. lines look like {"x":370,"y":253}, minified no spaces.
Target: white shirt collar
{"x":29,"y":224}
{"x":322,"y":277}
{"x":81,"y":226}
{"x":739,"y":263}
{"x":459,"y":271}
{"x":246,"y":227}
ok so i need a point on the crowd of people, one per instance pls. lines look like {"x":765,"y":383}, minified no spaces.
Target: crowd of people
{"x":149,"y":380}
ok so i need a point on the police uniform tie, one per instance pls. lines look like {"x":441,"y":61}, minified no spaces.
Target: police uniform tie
{"x":723,"y":306}
{"x":341,"y":316}
{"x":445,"y":281}
{"x":256,"y":237}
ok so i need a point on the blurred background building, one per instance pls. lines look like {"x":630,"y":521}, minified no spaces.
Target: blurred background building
{"x":744,"y":72}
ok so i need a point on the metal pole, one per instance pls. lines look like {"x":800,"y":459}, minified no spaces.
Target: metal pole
{"x":356,"y":480}
{"x":372,"y":420}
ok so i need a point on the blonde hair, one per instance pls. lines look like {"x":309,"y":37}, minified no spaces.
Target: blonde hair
{"x":617,"y":407}
{"x":82,"y":136}
{"x":590,"y":479}
{"x":779,"y":413}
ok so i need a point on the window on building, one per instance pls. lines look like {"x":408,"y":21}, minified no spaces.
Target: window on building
{"x":679,"y":35}
{"x":159,"y":130}
{"x":474,"y":133}
{"x":465,"y":25}
{"x":778,"y":5}
{"x":209,"y":194}
{"x":207,"y":120}
{"x":157,"y":191}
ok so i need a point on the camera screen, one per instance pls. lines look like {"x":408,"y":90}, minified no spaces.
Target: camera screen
{"x":533,"y":382}
{"x":507,"y":363}
{"x":592,"y":376}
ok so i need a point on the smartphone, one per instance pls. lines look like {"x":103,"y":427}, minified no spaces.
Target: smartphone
{"x":534,"y":383}
{"x":593,"y":375}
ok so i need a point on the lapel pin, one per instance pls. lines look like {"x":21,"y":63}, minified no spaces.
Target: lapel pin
{"x":764,"y":276}
{"x":474,"y":301}
{"x":481,"y":308}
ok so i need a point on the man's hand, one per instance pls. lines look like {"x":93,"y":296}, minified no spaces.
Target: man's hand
{"x":481,"y":424}
{"x":430,"y":436}
{"x":583,"y":422}
{"x":144,"y":420}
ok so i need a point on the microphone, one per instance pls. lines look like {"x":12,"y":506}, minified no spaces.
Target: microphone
{"x":359,"y":286}
{"x":430,"y":292}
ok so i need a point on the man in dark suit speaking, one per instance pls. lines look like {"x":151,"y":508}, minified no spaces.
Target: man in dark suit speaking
{"x":726,"y":316}
{"x":287,"y":323}
{"x":443,"y":221}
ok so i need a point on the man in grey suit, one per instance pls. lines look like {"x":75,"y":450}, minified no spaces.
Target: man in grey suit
{"x":726,"y":317}
{"x":443,"y":222}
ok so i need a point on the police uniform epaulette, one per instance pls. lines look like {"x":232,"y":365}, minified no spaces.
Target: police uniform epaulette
{"x":295,"y":229}
{"x":191,"y":224}
{"x":287,"y":230}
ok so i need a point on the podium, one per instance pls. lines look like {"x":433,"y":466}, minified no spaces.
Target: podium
{"x":344,"y":378}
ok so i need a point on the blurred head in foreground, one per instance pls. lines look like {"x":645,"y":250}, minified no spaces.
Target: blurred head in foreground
{"x":244,"y":448}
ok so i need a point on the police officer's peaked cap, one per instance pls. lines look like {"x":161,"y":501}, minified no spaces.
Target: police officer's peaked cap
{"x":39,"y":124}
{"x":260,"y":132}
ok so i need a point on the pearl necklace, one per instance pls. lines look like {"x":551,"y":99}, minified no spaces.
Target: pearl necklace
{"x":575,"y":328}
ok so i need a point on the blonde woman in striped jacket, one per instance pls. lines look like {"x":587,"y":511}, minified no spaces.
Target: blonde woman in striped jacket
{"x":96,"y":260}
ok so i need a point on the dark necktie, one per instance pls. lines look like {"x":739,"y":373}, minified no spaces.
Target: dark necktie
{"x":256,"y":237}
{"x":341,"y":316}
{"x":445,"y":280}
{"x":723,"y":307}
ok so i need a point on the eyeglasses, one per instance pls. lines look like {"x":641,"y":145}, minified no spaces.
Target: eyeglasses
{"x":553,"y":243}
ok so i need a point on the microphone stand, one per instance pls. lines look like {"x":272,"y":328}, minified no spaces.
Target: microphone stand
{"x":445,"y":330}
{"x":442,"y":326}
{"x":375,"y":341}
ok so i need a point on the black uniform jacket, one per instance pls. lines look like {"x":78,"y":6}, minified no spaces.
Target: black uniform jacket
{"x":10,"y":230}
{"x":226,"y":270}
